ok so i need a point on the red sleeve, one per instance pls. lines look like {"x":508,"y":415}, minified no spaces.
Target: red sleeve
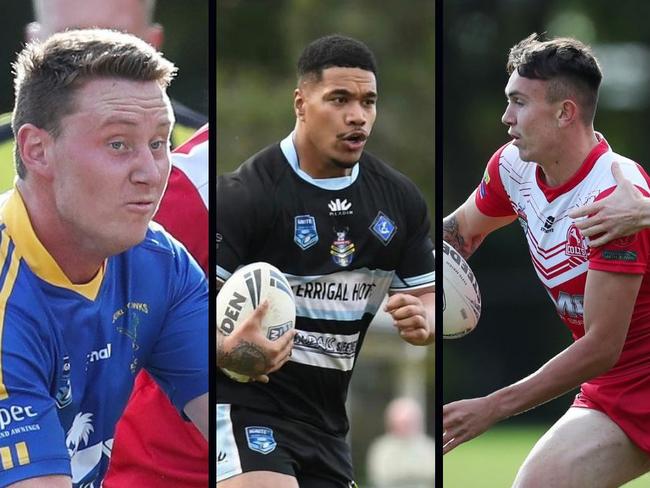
{"x":183,"y":214}
{"x":490,"y":196}
{"x":623,"y":255}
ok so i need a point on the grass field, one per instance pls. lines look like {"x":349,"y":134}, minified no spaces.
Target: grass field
{"x":492,"y":460}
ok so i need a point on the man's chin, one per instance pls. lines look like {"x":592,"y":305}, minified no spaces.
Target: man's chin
{"x":345,"y":163}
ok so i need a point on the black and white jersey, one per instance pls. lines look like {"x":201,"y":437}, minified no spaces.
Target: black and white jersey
{"x":343,"y":244}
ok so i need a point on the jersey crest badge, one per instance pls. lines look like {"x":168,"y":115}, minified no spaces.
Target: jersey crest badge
{"x":576,"y":244}
{"x":260,"y":439}
{"x":342,"y":249}
{"x":305,"y":233}
{"x":383,"y":227}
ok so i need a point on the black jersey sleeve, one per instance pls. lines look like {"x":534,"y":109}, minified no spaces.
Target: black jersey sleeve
{"x":416,"y":268}
{"x":241,"y":220}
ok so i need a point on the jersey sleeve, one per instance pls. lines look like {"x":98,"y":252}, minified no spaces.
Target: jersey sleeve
{"x":416,"y":269}
{"x":491,"y":197}
{"x":240,"y":221}
{"x":179,"y":359}
{"x":32,"y":441}
{"x":623,"y":255}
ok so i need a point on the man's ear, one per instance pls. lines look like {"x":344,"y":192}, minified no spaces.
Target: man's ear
{"x":33,"y":143}
{"x":299,"y":103}
{"x":568,"y":113}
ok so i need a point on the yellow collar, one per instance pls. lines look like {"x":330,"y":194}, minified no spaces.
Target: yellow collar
{"x":19,"y":227}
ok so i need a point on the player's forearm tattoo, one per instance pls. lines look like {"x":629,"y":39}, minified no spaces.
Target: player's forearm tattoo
{"x":245,"y":358}
{"x":451,"y":234}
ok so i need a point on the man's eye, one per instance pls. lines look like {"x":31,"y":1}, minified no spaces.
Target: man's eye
{"x":117,"y":145}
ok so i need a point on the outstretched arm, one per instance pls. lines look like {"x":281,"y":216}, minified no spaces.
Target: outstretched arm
{"x":624,"y":212}
{"x":608,"y":303}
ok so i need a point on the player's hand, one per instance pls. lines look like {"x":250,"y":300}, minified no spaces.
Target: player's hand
{"x":410,"y":318}
{"x":617,"y":215}
{"x":465,"y":419}
{"x":246,"y":351}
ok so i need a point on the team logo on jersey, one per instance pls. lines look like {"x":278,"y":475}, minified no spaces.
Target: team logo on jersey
{"x":576,"y":244}
{"x":383,"y":227}
{"x":260,"y":439}
{"x":64,"y":392}
{"x":342,"y":249}
{"x":340,"y":207}
{"x":305,"y":233}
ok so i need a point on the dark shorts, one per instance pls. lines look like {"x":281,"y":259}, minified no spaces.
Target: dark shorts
{"x":250,"y":440}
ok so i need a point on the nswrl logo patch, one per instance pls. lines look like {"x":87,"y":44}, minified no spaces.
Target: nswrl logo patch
{"x":305,"y":233}
{"x":260,"y":439}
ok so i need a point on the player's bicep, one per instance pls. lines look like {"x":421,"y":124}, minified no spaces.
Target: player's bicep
{"x":467,"y":226}
{"x":608,"y":305}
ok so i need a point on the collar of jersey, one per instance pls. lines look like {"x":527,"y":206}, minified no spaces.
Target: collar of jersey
{"x":552,"y":193}
{"x":42,"y":264}
{"x":289,"y":151}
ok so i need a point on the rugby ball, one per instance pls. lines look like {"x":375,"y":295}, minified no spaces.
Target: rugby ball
{"x":244,"y":291}
{"x":461,"y":296}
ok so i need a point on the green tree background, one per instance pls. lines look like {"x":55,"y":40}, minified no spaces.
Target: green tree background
{"x":258,"y":44}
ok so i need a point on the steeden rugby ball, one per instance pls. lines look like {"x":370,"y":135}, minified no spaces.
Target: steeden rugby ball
{"x":244,"y":291}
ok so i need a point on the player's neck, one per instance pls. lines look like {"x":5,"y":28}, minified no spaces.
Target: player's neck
{"x":313,"y":162}
{"x":570,"y":153}
{"x":79,"y":263}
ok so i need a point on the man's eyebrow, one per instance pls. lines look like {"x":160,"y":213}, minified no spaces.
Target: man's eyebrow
{"x":514,"y":93}
{"x":119,"y":120}
{"x":343,"y":91}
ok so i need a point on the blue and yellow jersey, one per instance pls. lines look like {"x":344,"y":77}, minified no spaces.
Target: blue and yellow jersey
{"x":69,"y":353}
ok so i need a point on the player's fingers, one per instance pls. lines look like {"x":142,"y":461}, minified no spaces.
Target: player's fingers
{"x":585,"y":210}
{"x":283,"y":345}
{"x":399,"y":300}
{"x":255,"y":319}
{"x":261,"y":378}
{"x":411,"y":322}
{"x":603,"y":239}
{"x":407,"y":311}
{"x":450,"y":445}
{"x":618,"y":173}
{"x":594,"y":229}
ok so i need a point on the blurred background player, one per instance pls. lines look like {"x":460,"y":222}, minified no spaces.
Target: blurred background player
{"x":346,"y":229}
{"x":404,"y":457}
{"x":153,"y":446}
{"x":554,"y":163}
{"x":132,"y":16}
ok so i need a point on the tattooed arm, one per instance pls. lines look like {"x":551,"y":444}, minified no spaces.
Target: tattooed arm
{"x":467,"y":226}
{"x":246,"y":351}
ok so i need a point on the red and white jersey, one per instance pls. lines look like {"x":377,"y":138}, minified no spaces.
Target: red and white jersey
{"x":153,"y":445}
{"x":562,"y":256}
